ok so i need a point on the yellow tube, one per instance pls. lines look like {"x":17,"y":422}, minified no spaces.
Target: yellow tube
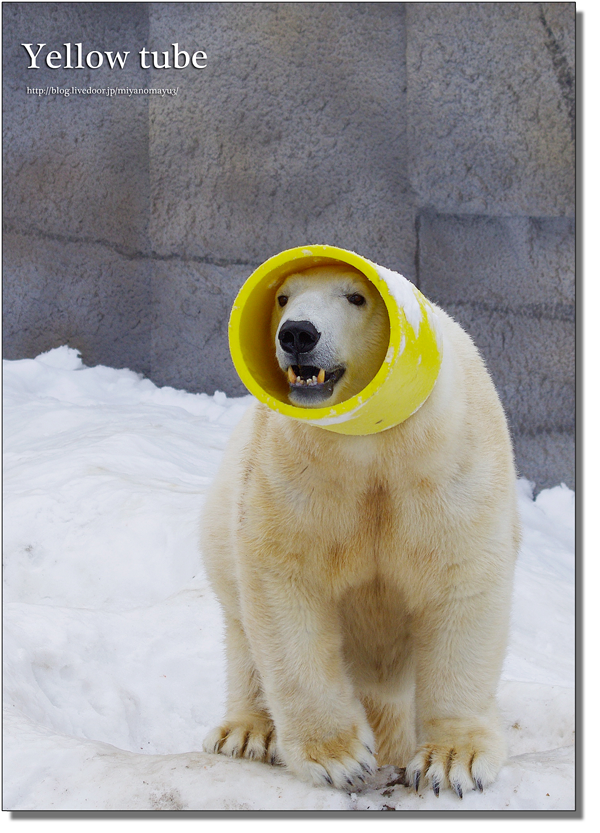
{"x":402,"y":383}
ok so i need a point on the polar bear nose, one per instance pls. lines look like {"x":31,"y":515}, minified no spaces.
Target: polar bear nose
{"x":298,"y":337}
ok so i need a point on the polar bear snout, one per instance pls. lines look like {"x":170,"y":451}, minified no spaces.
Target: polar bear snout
{"x":298,"y":338}
{"x":310,"y":382}
{"x":323,"y":317}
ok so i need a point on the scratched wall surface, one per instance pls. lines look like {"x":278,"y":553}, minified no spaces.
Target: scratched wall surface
{"x":491,"y":129}
{"x":437,"y":139}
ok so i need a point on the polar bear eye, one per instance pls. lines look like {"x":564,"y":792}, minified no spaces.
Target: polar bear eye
{"x":356,"y":299}
{"x":282,"y":300}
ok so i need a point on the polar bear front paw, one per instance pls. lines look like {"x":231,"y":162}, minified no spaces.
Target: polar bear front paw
{"x":344,"y":761}
{"x":470,"y":761}
{"x":252,"y":737}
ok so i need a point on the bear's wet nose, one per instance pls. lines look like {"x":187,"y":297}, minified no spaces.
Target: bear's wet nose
{"x":298,"y":337}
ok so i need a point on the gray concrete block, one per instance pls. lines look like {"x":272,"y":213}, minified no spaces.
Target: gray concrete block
{"x":87,"y":296}
{"x":75,"y":165}
{"x":491,"y":105}
{"x":502,"y":261}
{"x":510,"y":283}
{"x":546,"y":458}
{"x":531,"y":360}
{"x":293,"y":134}
{"x":191,"y":304}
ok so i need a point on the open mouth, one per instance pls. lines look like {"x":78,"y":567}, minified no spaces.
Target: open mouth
{"x":309,"y":383}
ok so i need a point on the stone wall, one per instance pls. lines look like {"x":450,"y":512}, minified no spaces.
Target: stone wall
{"x":436,"y":139}
{"x":491,"y":127}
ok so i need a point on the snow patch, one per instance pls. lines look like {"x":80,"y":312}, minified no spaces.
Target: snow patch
{"x":113,"y":660}
{"x":403,"y":293}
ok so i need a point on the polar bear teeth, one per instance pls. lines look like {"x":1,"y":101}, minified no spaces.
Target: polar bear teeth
{"x":297,"y":379}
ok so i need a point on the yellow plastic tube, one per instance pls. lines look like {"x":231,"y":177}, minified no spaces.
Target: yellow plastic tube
{"x":402,"y":383}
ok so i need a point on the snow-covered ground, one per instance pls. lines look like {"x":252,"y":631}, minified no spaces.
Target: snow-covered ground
{"x":113,"y":665}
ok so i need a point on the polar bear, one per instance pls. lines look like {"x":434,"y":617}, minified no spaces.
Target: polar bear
{"x":365,"y":581}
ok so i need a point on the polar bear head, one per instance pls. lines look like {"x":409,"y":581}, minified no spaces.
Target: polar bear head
{"x":331,"y":332}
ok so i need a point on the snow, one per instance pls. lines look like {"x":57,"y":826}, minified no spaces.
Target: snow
{"x":404,"y":293}
{"x":113,"y":664}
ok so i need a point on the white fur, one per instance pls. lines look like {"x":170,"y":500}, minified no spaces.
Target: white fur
{"x":355,"y":337}
{"x":366,"y":581}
